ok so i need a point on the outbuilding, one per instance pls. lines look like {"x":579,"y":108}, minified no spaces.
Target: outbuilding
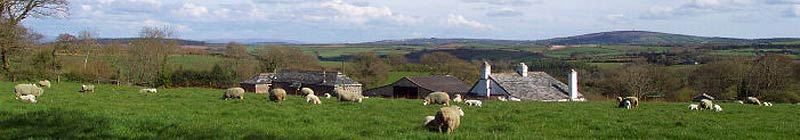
{"x":420,"y":86}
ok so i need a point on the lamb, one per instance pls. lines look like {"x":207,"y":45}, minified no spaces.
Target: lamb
{"x":446,"y":119}
{"x":233,"y":93}
{"x":148,"y":90}
{"x":515,"y":99}
{"x":45,"y":83}
{"x":313,"y":99}
{"x":502,"y":99}
{"x":753,"y":100}
{"x":277,"y":94}
{"x":457,"y":98}
{"x":27,"y":89}
{"x":327,"y":95}
{"x":706,"y":104}
{"x":87,"y":88}
{"x":768,"y":104}
{"x":28,"y":97}
{"x":437,"y":98}
{"x":625,"y":104}
{"x":428,"y":119}
{"x":632,"y":102}
{"x":717,"y":108}
{"x":473,"y":103}
{"x":306,"y":91}
{"x":347,"y":96}
{"x":694,"y":107}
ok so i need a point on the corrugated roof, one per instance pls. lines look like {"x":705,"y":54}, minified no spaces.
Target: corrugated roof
{"x":448,"y":84}
{"x":536,"y":86}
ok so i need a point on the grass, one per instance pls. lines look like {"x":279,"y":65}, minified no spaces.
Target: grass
{"x":118,"y":112}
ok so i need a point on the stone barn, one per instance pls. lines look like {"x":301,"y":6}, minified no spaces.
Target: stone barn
{"x":320,"y":81}
{"x":420,"y":86}
{"x":259,"y":84}
{"x":525,"y":85}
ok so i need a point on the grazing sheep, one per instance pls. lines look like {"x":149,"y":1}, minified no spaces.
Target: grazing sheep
{"x":502,"y":99}
{"x":447,"y":119}
{"x":87,"y":88}
{"x":437,"y":98}
{"x":327,"y":95}
{"x":27,"y":97}
{"x":277,"y":94}
{"x":473,"y":103}
{"x":694,"y":107}
{"x":306,"y":91}
{"x":706,"y":104}
{"x":233,"y":93}
{"x":625,"y":104}
{"x":27,"y":89}
{"x":632,"y":102}
{"x":313,"y":99}
{"x":768,"y":104}
{"x":717,"y":108}
{"x":515,"y":99}
{"x":347,"y":96}
{"x":739,"y":101}
{"x":457,"y":98}
{"x":148,"y":90}
{"x":428,"y":119}
{"x":753,"y":100}
{"x":45,"y":83}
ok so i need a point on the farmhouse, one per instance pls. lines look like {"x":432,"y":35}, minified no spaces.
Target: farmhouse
{"x":419,"y":87}
{"x":292,"y":80}
{"x":525,"y":85}
{"x":701,"y":97}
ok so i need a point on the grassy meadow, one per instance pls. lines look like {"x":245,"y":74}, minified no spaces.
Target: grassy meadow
{"x":119,"y":112}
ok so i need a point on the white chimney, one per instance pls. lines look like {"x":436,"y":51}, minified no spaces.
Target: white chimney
{"x":522,"y":69}
{"x":486,"y":70}
{"x":573,"y":85}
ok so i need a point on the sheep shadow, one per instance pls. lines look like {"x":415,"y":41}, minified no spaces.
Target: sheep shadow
{"x":53,"y":124}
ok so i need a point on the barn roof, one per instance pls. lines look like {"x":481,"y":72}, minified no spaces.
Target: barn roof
{"x":313,"y":77}
{"x":263,"y":78}
{"x":702,"y":96}
{"x":447,"y":83}
{"x":536,"y":86}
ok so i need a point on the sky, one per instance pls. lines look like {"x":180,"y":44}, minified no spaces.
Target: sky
{"x":349,"y":21}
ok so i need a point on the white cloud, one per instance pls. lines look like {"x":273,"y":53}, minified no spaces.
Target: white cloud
{"x":459,"y":20}
{"x":191,"y":10}
{"x":360,"y":14}
{"x":505,"y":2}
{"x":796,"y":10}
{"x":158,"y":23}
{"x":702,"y":7}
{"x":504,"y":12}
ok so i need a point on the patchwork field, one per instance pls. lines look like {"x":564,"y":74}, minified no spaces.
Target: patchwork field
{"x":119,"y":112}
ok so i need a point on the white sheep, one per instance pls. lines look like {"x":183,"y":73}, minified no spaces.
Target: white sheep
{"x":457,"y":98}
{"x":626,"y":104}
{"x":45,"y":83}
{"x":148,"y":90}
{"x":327,"y":95}
{"x":515,"y":99}
{"x":768,"y":104}
{"x":87,"y":88}
{"x":502,"y":99}
{"x":28,"y":97}
{"x":694,"y":107}
{"x":717,"y":108}
{"x":313,"y":99}
{"x":428,"y":119}
{"x":473,"y":103}
{"x":739,"y":101}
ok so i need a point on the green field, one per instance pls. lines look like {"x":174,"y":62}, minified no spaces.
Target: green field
{"x":119,"y":112}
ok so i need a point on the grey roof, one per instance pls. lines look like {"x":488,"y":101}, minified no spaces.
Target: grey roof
{"x":702,"y":96}
{"x":313,"y":77}
{"x":536,"y":86}
{"x":264,"y":78}
{"x":447,"y":83}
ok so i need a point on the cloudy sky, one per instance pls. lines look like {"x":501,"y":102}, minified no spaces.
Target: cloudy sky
{"x":329,"y":21}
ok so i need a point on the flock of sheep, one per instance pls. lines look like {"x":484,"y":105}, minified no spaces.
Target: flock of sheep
{"x":705,"y":104}
{"x":29,"y":92}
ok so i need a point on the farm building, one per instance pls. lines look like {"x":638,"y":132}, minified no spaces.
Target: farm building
{"x":259,"y":83}
{"x":320,"y":81}
{"x":701,"y":97}
{"x":419,"y":87}
{"x":525,"y":85}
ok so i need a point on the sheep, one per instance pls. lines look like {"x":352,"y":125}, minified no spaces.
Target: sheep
{"x":148,"y":90}
{"x":753,"y":100}
{"x":446,"y":119}
{"x":625,"y":104}
{"x":27,"y":89}
{"x":437,"y":98}
{"x":277,"y":94}
{"x":515,"y":99}
{"x":233,"y":93}
{"x":87,"y":88}
{"x":313,"y":99}
{"x":767,"y":104}
{"x":717,"y":108}
{"x":739,"y":101}
{"x":45,"y":83}
{"x":306,"y":91}
{"x":428,"y":119}
{"x":706,"y":104}
{"x":694,"y":107}
{"x":28,"y":97}
{"x":502,"y":98}
{"x":327,"y":95}
{"x":632,"y":102}
{"x":457,"y":98}
{"x":347,"y":96}
{"x":473,"y":103}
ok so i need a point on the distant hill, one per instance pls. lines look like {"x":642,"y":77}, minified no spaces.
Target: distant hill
{"x":254,"y":41}
{"x":129,"y":40}
{"x":441,"y":41}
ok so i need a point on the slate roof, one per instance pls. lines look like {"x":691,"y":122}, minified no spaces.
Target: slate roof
{"x":447,"y":84}
{"x":702,"y":96}
{"x":264,"y":78}
{"x":536,"y":86}
{"x":312,"y":77}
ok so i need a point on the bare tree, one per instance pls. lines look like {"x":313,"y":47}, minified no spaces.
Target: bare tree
{"x":12,"y":12}
{"x":150,"y":52}
{"x":367,"y":68}
{"x":274,"y":58}
{"x":87,"y":43}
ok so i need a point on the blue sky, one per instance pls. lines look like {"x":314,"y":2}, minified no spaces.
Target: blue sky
{"x":337,"y":21}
